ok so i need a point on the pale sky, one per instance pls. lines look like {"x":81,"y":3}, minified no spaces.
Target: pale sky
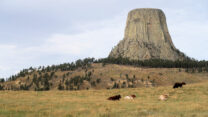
{"x":45,"y":32}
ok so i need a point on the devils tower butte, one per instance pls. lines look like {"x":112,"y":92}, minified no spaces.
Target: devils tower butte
{"x":146,"y":37}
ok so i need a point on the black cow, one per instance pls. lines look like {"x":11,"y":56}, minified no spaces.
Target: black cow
{"x":116,"y":97}
{"x":179,"y":84}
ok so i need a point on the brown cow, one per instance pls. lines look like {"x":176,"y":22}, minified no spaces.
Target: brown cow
{"x":133,"y":96}
{"x":163,"y":97}
{"x":130,"y":97}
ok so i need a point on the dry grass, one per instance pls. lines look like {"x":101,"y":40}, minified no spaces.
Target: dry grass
{"x":190,"y":101}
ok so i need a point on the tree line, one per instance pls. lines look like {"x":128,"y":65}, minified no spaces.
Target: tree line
{"x":85,"y":63}
{"x":155,"y":63}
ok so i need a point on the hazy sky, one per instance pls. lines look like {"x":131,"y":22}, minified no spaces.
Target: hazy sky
{"x":46,"y":32}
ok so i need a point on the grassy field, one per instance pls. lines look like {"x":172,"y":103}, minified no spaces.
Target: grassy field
{"x":190,"y":101}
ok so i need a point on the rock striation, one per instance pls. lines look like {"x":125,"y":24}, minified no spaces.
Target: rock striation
{"x":146,"y":37}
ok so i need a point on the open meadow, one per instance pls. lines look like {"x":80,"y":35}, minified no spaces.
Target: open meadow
{"x":189,"y":101}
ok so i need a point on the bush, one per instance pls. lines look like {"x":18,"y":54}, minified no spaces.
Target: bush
{"x":112,"y":79}
{"x":98,"y":80}
{"x":115,"y":86}
{"x":24,"y":87}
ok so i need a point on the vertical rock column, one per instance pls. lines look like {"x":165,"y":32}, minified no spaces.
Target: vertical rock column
{"x":146,"y":37}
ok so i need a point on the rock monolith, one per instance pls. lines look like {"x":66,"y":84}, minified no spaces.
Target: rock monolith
{"x":146,"y":37}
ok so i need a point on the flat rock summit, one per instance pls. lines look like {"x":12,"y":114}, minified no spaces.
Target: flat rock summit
{"x":146,"y":37}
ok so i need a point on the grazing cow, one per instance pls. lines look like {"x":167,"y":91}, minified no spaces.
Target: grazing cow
{"x":130,"y":97}
{"x":179,"y":84}
{"x":116,"y":97}
{"x":134,"y":96}
{"x":163,"y":97}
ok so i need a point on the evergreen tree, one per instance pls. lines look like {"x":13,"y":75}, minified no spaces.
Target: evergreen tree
{"x":60,"y":87}
{"x":98,"y":80}
{"x":2,"y":80}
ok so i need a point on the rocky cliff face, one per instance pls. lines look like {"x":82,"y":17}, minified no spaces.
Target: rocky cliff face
{"x":146,"y":37}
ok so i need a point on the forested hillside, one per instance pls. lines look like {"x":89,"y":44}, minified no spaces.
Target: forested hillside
{"x":107,"y":73}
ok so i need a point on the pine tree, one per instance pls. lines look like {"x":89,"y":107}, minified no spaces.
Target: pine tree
{"x":60,"y":87}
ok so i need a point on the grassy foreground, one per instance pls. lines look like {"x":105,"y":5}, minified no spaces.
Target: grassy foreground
{"x":190,"y":101}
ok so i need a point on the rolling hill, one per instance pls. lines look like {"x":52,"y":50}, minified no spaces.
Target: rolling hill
{"x":102,"y":76}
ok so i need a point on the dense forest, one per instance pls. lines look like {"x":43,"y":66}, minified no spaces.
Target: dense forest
{"x":156,"y":63}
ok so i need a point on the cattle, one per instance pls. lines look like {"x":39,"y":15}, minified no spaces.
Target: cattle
{"x":133,"y":96}
{"x":114,"y":98}
{"x":179,"y":84}
{"x":163,"y":97}
{"x":130,"y":97}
